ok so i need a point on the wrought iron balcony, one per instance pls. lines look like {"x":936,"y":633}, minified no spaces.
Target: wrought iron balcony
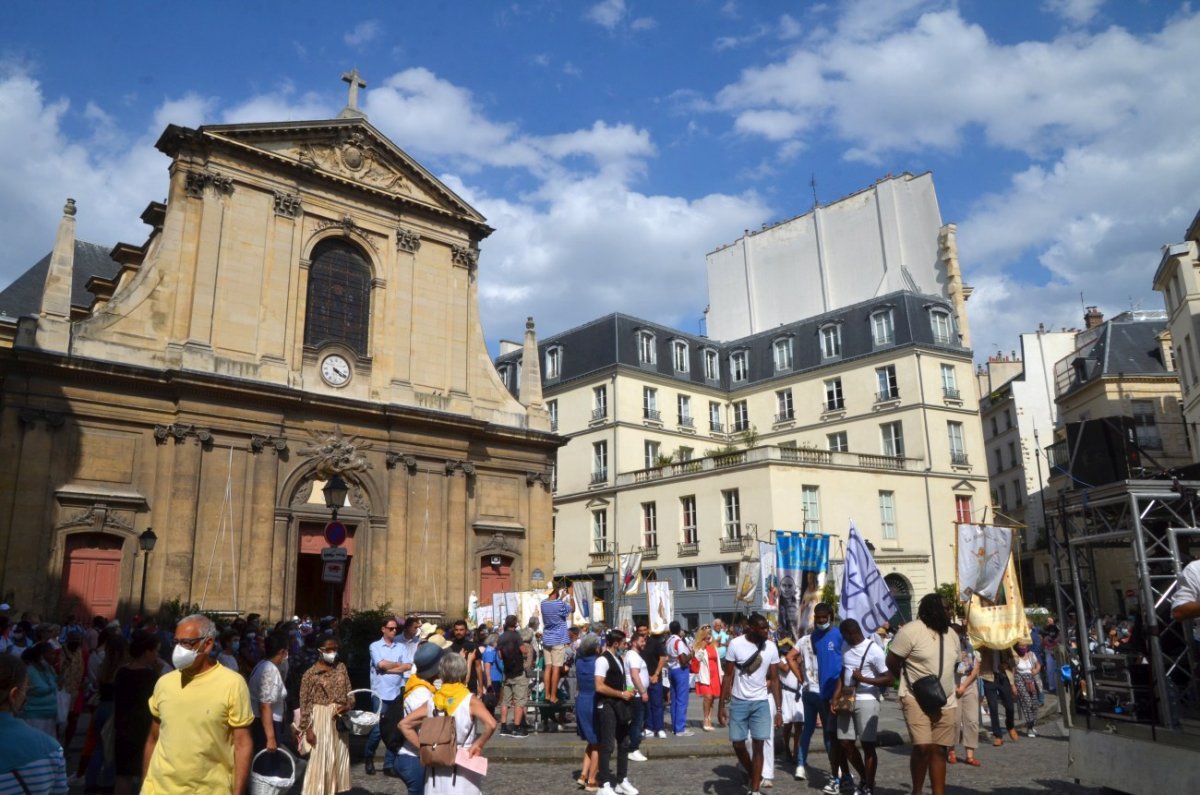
{"x":959,"y":459}
{"x":716,"y":427}
{"x":687,"y":550}
{"x":600,"y":413}
{"x":733,"y":543}
{"x":599,"y":476}
{"x":652,"y":414}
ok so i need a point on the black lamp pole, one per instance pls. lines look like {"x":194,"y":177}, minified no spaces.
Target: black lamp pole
{"x":146,"y":541}
{"x":335,"y":497}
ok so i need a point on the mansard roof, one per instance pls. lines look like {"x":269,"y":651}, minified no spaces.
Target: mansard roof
{"x":24,"y":295}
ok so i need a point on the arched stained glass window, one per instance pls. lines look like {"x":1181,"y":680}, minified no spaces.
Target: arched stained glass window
{"x":339,"y":297}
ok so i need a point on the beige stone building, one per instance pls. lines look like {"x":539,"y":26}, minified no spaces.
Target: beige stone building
{"x":304,"y":305}
{"x":687,"y":449}
{"x":1178,"y":279}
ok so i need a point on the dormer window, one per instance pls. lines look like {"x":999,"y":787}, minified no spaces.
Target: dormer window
{"x":506,"y":375}
{"x":883,"y":328}
{"x":738,"y":367}
{"x":712,"y":365}
{"x":831,"y":341}
{"x":646,"y":347}
{"x":782,"y":349}
{"x":942,"y":327}
{"x":553,"y":362}
{"x":679,"y":355}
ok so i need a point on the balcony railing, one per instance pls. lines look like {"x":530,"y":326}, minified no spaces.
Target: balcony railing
{"x":785,"y":416}
{"x":959,"y":459}
{"x":886,"y":395}
{"x":741,"y":425}
{"x":599,"y":558}
{"x":834,"y":405}
{"x":650,"y":553}
{"x":951,"y":393}
{"x":733,"y":543}
{"x":686,"y":422}
{"x":716,"y":427}
{"x":599,"y":476}
{"x":687,"y":550}
{"x":798,"y":456}
{"x":600,"y":413}
{"x":652,"y":414}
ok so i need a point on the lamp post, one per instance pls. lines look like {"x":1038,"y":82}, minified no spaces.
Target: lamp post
{"x":146,"y":541}
{"x":335,"y":497}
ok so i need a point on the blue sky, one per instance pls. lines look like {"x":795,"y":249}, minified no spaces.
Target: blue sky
{"x":612,"y":144}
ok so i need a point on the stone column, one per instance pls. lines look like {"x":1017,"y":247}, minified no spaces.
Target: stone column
{"x":392,"y":582}
{"x":458,"y":526}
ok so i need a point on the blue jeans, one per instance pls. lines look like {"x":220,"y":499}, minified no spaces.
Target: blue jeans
{"x":409,"y":769}
{"x":654,"y":721}
{"x":99,"y":772}
{"x":814,"y":705}
{"x":639,"y":719}
{"x":679,"y":699}
{"x":373,"y":738}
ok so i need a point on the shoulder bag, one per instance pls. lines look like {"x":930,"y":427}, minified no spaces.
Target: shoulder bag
{"x":928,"y":690}
{"x":847,"y":695}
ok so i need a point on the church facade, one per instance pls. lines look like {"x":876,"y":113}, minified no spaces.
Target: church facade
{"x":305,"y":306}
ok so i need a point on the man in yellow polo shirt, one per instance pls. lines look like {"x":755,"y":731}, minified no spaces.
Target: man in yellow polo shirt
{"x":200,"y":737}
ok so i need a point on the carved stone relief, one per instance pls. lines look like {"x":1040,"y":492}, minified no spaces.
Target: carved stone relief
{"x":465,"y":256}
{"x":197,"y":182}
{"x":335,"y":454}
{"x":287,"y":204}
{"x":353,"y":155}
{"x":407,"y":240}
{"x":180,"y":432}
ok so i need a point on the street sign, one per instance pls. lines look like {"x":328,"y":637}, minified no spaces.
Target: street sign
{"x":335,"y":534}
{"x":334,"y":553}
{"x":333,"y":572}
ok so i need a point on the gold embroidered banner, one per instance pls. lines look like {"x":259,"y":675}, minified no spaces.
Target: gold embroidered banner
{"x":999,"y":624}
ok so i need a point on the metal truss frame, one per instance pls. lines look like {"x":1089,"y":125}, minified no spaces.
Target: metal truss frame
{"x":1148,"y":517}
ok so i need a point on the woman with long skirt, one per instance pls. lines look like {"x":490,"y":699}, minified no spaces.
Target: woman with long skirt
{"x":324,"y":696}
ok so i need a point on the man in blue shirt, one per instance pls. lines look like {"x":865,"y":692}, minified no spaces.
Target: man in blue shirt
{"x":827,"y":646}
{"x":391,"y":660}
{"x":556,"y":609}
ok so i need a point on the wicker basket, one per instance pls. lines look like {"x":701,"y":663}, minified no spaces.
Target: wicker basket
{"x":271,"y":785}
{"x":362,"y":721}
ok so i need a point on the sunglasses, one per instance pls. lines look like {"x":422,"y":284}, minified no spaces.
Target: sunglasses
{"x":391,"y":629}
{"x":189,"y":643}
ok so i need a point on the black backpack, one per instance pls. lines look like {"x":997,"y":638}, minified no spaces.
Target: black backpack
{"x":511,"y":655}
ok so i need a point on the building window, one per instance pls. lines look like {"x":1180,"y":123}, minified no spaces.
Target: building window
{"x":599,"y":532}
{"x":690,"y":578}
{"x":883,"y":332}
{"x":834,"y":400}
{"x":685,"y":453}
{"x":689,"y":532}
{"x":650,"y":525}
{"x":885,"y":382}
{"x":1008,"y":418}
{"x":712,"y":365}
{"x":679,"y":355}
{"x":652,"y":452}
{"x":887,"y":513}
{"x":733,"y":513}
{"x":831,"y":341}
{"x":783,"y":355}
{"x":1018,"y":495}
{"x":1146,"y":425}
{"x":599,"y":462}
{"x":783,"y":406}
{"x":684,"y":404}
{"x":812,"y":508}
{"x":962,"y":508}
{"x":646,"y":350}
{"x":338,"y":302}
{"x":741,"y":416}
{"x":737,"y":366}
{"x":995,"y":427}
{"x":714,"y":418}
{"x":553,"y":362}
{"x":958,"y":449}
{"x":893,"y":439}
{"x":599,"y":402}
{"x":506,"y":375}
{"x":1012,"y":453}
{"x":998,"y":454}
{"x":950,"y":382}
{"x":943,"y":328}
{"x":552,"y":408}
{"x":838,"y":442}
{"x":650,"y":403}
{"x":1003,"y":491}
{"x":730,"y":570}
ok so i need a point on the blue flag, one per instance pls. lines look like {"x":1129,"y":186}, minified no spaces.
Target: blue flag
{"x":865,"y":596}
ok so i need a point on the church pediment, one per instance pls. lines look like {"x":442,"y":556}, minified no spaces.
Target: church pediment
{"x":345,"y":150}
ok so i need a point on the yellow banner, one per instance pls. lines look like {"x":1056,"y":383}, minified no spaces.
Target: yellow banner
{"x":999,"y":625}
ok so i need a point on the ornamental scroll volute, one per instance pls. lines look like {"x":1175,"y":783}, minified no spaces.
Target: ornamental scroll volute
{"x":335,"y":453}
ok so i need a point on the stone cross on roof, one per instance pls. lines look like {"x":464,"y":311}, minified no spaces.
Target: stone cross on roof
{"x":356,"y":82}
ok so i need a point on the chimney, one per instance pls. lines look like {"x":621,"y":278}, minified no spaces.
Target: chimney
{"x":54,"y":318}
{"x":1092,"y":318}
{"x":531,"y":370}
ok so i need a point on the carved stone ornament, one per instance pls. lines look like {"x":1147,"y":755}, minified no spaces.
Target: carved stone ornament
{"x":354,"y":156}
{"x":498,"y":542}
{"x":537,"y":477}
{"x":181,"y":432}
{"x":97,"y":517}
{"x":287,"y":204}
{"x":347,"y":225}
{"x":407,"y":240}
{"x":465,"y":256}
{"x":467,"y":468}
{"x":336,"y":454}
{"x":408,"y":461}
{"x":197,"y":182}
{"x":29,"y":418}
{"x":260,"y":443}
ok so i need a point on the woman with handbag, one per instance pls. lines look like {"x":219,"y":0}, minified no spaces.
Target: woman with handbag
{"x":856,"y":701}
{"x":966,"y":689}
{"x":706,"y":665}
{"x":923,"y":656}
{"x":324,"y":699}
{"x":132,"y":688}
{"x":1025,"y":685}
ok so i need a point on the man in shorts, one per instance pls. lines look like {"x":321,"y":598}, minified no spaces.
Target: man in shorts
{"x":751,"y":681}
{"x":514,"y":691}
{"x":864,"y":668}
{"x":556,"y":609}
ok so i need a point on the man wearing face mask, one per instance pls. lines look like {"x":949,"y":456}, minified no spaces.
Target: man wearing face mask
{"x":199,"y":739}
{"x":827,"y":647}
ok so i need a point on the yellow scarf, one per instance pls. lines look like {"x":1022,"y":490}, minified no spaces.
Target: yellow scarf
{"x":450,"y":697}
{"x":414,"y":682}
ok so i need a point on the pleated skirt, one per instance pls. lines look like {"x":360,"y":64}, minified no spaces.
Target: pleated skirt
{"x":329,"y":764}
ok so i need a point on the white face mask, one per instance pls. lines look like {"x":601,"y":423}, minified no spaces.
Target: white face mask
{"x":183,"y":658}
{"x":329,"y":656}
{"x":821,"y":625}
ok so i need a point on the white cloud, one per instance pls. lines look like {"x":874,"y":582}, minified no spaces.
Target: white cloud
{"x":607,"y":13}
{"x":363,"y":33}
{"x":644,"y":23}
{"x":1077,"y":11}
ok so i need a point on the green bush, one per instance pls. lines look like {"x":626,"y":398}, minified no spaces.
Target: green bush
{"x":356,"y":632}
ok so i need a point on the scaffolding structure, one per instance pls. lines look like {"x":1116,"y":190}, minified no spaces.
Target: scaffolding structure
{"x":1148,"y":520}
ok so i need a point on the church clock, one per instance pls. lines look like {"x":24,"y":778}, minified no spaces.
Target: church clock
{"x":335,"y":370}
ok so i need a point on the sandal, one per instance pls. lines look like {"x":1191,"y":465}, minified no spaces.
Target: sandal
{"x":951,"y":758}
{"x":973,"y":761}
{"x":997,"y":742}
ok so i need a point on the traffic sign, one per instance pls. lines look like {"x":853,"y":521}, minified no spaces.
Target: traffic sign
{"x":333,"y":572}
{"x":335,"y":534}
{"x":334,"y":553}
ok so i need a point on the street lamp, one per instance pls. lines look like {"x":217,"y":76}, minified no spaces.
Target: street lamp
{"x":335,"y":494}
{"x":146,"y":541}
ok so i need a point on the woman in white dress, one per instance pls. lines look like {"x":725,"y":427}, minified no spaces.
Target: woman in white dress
{"x":793,"y":706}
{"x":454,"y":699}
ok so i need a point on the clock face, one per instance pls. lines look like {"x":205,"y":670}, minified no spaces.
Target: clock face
{"x":335,"y":370}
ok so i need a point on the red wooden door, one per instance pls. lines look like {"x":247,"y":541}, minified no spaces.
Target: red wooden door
{"x":494,"y":577}
{"x":91,"y":575}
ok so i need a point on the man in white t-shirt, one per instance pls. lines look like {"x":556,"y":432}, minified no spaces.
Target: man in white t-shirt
{"x":1185,"y":602}
{"x":864,"y":667}
{"x":750,"y":682}
{"x":637,"y":677}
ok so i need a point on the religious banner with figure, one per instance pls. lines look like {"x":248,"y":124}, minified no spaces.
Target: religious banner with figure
{"x":625,"y":620}
{"x":484,"y":616}
{"x":983,"y":552}
{"x":661,"y":605}
{"x":865,"y":596}
{"x":801,"y":561}
{"x":505,"y":605}
{"x":531,"y":605}
{"x":768,"y":576}
{"x":631,"y":573}
{"x":999,"y":624}
{"x":581,"y":596}
{"x":747,"y":581}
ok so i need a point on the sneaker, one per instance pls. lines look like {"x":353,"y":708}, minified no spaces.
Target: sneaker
{"x":862,"y":791}
{"x":768,"y":784}
{"x":833,"y":787}
{"x":662,"y":734}
{"x":800,"y":774}
{"x":506,"y":730}
{"x":685,"y":733}
{"x":637,"y":756}
{"x":625,"y":788}
{"x":1031,"y":733}
{"x":520,"y":732}
{"x":848,"y":783}
{"x":647,"y":733}
{"x":607,"y":789}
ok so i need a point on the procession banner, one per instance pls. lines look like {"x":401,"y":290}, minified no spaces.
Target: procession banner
{"x":801,"y":561}
{"x":865,"y":596}
{"x":581,"y":596}
{"x":999,"y":624}
{"x":747,"y":581}
{"x":598,"y":610}
{"x":768,"y":576}
{"x":631,"y":573}
{"x":484,"y":616}
{"x":983,"y":552}
{"x":531,"y":605}
{"x":661,"y":605}
{"x":499,"y":611}
{"x":625,"y":620}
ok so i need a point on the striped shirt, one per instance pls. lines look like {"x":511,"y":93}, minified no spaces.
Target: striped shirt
{"x":28,"y":756}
